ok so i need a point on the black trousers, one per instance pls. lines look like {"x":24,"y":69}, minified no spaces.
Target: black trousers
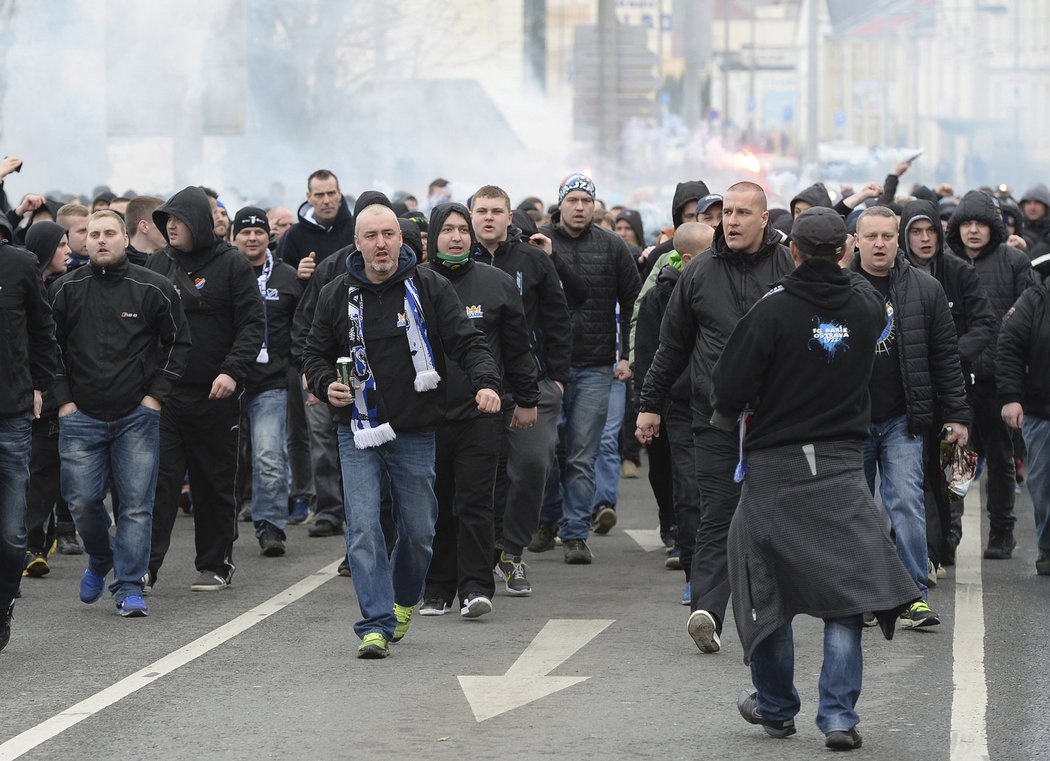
{"x":716,"y":456}
{"x":677,"y":430}
{"x":199,"y":436}
{"x":660,"y":479}
{"x":464,"y":537}
{"x":44,"y":487}
{"x":993,"y":441}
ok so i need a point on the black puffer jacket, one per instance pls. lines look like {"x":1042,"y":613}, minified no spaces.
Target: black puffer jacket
{"x":927,"y":347}
{"x":651,"y":311}
{"x":975,"y":323}
{"x":1022,"y":373}
{"x":717,"y":288}
{"x":219,"y":293}
{"x":1004,"y":271}
{"x":608,"y":268}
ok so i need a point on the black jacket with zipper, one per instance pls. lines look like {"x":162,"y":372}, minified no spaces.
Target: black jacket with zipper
{"x":122,"y":335}
{"x":1022,"y":372}
{"x":283,"y":292}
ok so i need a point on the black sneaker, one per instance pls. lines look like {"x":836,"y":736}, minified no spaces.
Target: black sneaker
{"x":325,"y":528}
{"x":271,"y":542}
{"x":543,"y":538}
{"x":1000,"y":546}
{"x":36,"y":565}
{"x":512,"y":571}
{"x":839,"y":740}
{"x":747,"y":704}
{"x":1042,"y":563}
{"x":5,"y":625}
{"x":68,"y":544}
{"x":604,"y":519}
{"x":344,"y":568}
{"x":475,"y":606}
{"x":577,"y":552}
{"x":434,"y":606}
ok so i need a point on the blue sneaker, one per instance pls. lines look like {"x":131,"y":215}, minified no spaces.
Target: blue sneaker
{"x":133,"y":606}
{"x":300,"y":511}
{"x":91,"y":586}
{"x":687,"y":596}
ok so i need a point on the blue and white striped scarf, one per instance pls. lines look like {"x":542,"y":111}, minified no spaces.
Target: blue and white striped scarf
{"x":369,"y":422}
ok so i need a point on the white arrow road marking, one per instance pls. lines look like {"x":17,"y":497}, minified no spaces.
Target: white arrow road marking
{"x":970,"y":699}
{"x":648,"y":538}
{"x":526,"y":680}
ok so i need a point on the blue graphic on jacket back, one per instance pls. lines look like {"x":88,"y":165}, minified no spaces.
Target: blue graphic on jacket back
{"x":829,"y":336}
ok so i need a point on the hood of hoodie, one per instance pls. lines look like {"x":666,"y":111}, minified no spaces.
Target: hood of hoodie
{"x":634,"y":219}
{"x":437,"y":218}
{"x":815,"y":195}
{"x":42,"y":239}
{"x":342,"y":216}
{"x":526,"y":225}
{"x":366,"y":199}
{"x":912,"y":212}
{"x":819,"y":281}
{"x":684,"y":192}
{"x":192,"y":207}
{"x":355,"y":269}
{"x":1038,"y":192}
{"x":977,"y":205}
{"x":411,"y":237}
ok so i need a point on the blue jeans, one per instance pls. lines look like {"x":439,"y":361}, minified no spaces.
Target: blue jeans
{"x":898,"y":458}
{"x":586,"y":406}
{"x":773,"y":674}
{"x":15,"y":438}
{"x":378,"y":580}
{"x":1036,"y":433}
{"x":95,"y":453}
{"x":267,"y":413}
{"x":607,"y":465}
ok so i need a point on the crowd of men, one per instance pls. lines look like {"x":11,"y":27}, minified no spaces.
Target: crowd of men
{"x":404,"y":377}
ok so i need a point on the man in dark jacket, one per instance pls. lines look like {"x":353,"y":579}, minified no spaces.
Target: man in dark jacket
{"x":265,"y":399}
{"x":976,"y":234}
{"x":916,"y":373}
{"x":689,"y":196}
{"x":922,"y":239}
{"x":393,"y":323}
{"x":198,"y":425}
{"x":28,"y":361}
{"x":600,"y":348}
{"x":719,"y":287}
{"x":806,"y":538}
{"x":123,"y":344}
{"x":530,"y":451}
{"x":468,"y":440}
{"x":325,"y":224}
{"x":815,"y":196}
{"x":1023,"y":383}
{"x":1035,"y":204}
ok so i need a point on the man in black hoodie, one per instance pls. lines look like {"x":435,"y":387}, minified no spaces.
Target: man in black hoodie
{"x":123,"y":344}
{"x":198,"y":425}
{"x":468,"y":440}
{"x":712,"y":295}
{"x":684,"y":208}
{"x":922,"y":238}
{"x":28,"y":361}
{"x":266,"y":387}
{"x":529,"y":451}
{"x":976,"y":234}
{"x":325,"y":224}
{"x":1023,"y":383}
{"x":807,"y":537}
{"x":1035,"y":204}
{"x":389,"y":325}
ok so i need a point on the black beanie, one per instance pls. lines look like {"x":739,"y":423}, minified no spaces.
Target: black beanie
{"x":250,"y":216}
{"x":42,"y":239}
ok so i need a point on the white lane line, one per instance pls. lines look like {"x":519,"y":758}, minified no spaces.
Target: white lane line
{"x":647,"y":538}
{"x":44,"y":731}
{"x":970,"y":696}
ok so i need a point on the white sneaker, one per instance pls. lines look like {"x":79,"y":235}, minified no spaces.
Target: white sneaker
{"x":702,"y":629}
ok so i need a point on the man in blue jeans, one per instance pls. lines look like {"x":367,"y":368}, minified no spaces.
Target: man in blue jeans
{"x":27,"y":367}
{"x":266,"y":386}
{"x":604,"y":262}
{"x":124,"y":343}
{"x":806,"y":537}
{"x":388,"y":325}
{"x":916,"y":370}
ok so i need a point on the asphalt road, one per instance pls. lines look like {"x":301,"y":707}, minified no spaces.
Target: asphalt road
{"x":282,"y":681}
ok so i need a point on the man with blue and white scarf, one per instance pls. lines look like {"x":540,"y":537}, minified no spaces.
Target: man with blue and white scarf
{"x":397,"y":322}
